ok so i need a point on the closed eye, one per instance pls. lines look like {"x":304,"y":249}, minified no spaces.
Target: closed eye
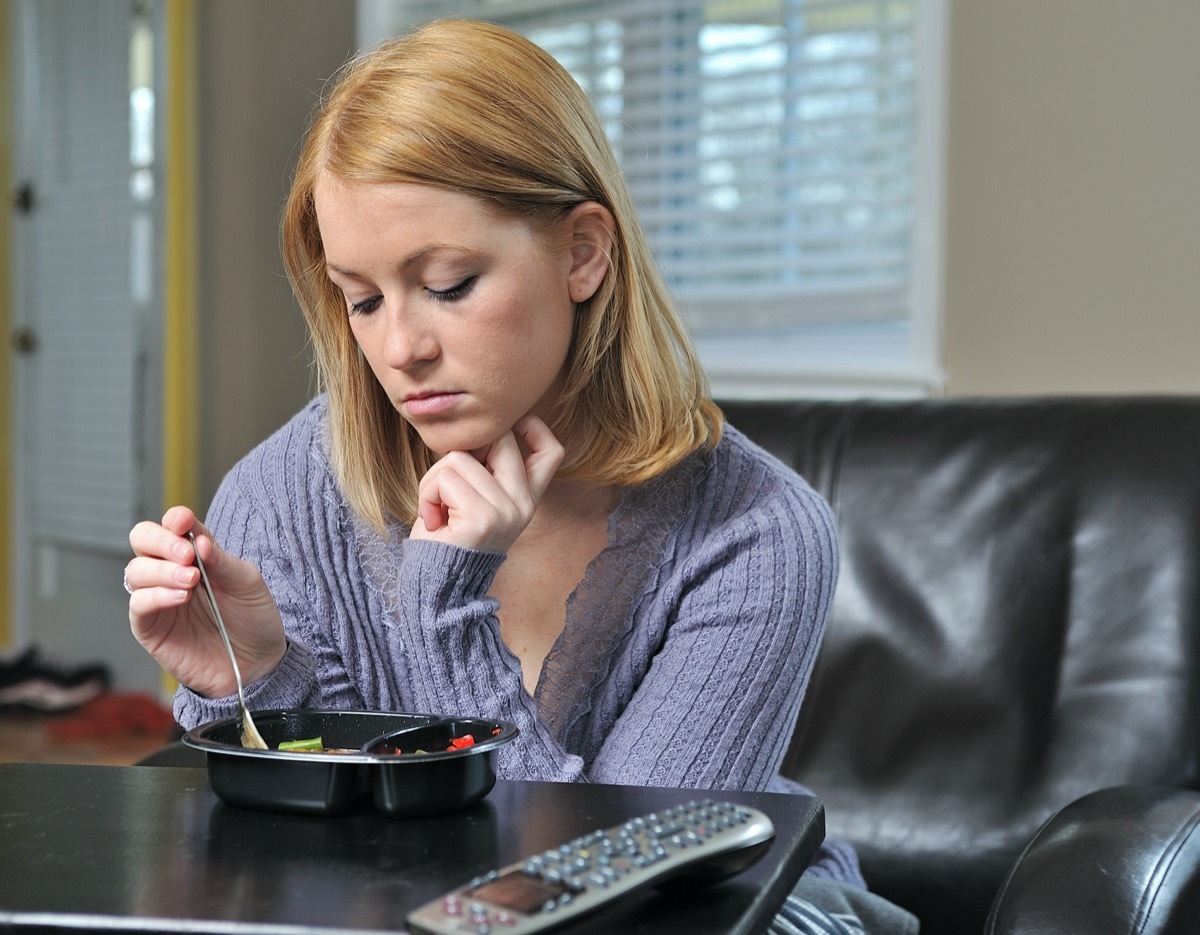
{"x":366,"y":305}
{"x":458,"y":291}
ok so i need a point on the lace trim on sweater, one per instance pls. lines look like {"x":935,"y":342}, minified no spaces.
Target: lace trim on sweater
{"x":600,"y":612}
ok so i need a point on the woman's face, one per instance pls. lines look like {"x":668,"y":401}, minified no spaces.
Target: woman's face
{"x":465,"y":315}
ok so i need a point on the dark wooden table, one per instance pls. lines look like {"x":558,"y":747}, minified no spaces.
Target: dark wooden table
{"x":151,"y":849}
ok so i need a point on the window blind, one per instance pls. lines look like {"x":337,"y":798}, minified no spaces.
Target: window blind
{"x":771,"y":145}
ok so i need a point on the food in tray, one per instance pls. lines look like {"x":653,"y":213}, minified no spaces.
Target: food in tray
{"x":456,"y":743}
{"x":311,"y":745}
{"x":317,"y":745}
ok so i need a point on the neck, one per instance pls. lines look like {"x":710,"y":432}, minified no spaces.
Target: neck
{"x":568,"y":502}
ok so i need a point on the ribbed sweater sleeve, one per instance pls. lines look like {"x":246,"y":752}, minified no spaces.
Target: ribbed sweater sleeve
{"x":279,"y":509}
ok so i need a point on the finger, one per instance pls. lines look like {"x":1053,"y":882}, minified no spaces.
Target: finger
{"x":179,"y":520}
{"x":226,"y":571}
{"x":458,"y":485}
{"x":546,"y":453}
{"x":145,"y":572}
{"x":152,"y":539}
{"x":182,"y":521}
{"x":525,"y":477}
{"x":467,"y":517}
{"x":465,"y":467}
{"x":144,"y":603}
{"x":431,"y":511}
{"x":506,"y":465}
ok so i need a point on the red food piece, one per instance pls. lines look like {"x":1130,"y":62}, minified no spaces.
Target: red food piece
{"x":457,"y":743}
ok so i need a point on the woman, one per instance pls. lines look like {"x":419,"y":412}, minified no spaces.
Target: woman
{"x":514,"y":498}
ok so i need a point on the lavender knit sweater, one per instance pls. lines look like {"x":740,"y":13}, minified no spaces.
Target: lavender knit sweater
{"x":687,"y":648}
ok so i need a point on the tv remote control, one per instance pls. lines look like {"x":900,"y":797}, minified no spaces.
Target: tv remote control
{"x":699,"y":842}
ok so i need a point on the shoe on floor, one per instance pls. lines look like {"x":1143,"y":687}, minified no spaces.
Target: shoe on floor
{"x":32,"y":681}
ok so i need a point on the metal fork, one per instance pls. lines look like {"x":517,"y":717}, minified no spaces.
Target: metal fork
{"x":251,"y":738}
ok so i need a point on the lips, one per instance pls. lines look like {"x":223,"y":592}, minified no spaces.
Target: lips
{"x":432,"y":402}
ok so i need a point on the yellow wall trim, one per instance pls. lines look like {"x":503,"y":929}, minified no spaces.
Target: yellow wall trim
{"x":180,"y":327}
{"x":181,"y":476}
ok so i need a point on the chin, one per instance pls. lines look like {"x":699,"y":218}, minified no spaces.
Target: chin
{"x":442,"y":443}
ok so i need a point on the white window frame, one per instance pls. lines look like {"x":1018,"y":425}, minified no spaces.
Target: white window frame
{"x":862,"y":358}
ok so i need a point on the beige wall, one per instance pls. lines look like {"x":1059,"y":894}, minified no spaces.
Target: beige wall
{"x":1073,"y":199}
{"x":262,"y":66}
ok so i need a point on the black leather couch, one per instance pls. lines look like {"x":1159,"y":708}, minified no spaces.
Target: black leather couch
{"x":1004,"y":715}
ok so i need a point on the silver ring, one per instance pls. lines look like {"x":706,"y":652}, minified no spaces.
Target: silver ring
{"x":125,"y":582}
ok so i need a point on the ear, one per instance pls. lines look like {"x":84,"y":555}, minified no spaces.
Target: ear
{"x":590,"y":229}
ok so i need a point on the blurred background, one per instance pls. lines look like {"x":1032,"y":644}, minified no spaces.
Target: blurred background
{"x":899,"y":197}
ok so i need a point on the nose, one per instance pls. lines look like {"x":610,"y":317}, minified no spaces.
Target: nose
{"x":408,"y":337}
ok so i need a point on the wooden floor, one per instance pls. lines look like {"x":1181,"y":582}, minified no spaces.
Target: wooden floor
{"x":30,"y":737}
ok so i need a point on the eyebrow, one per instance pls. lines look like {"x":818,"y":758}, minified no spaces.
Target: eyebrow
{"x":412,"y":259}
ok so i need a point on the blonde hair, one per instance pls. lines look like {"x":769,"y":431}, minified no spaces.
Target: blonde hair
{"x":475,"y":108}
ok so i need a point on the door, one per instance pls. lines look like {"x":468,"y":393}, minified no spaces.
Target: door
{"x":85,"y":321}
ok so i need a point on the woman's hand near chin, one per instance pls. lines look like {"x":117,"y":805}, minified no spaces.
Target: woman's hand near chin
{"x":485,"y":499}
{"x":171,"y":619}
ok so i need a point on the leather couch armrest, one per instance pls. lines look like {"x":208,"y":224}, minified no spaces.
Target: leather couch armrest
{"x":1122,"y":859}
